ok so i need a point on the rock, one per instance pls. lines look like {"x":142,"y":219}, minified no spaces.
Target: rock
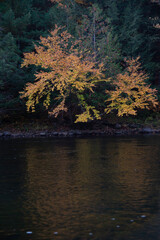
{"x":133,"y":125}
{"x":118,"y":126}
{"x":102,"y":133}
{"x":86,"y":132}
{"x":6,"y":134}
{"x":16,"y":135}
{"x":119,"y":132}
{"x":90,"y":234}
{"x":77,"y":132}
{"x":157,"y":130}
{"x":147,"y":130}
{"x":42,"y":134}
{"x":29,"y":232}
{"x":70,"y":134}
{"x":125,"y":125}
{"x":54,"y":133}
{"x":74,"y":133}
{"x":28,"y":135}
{"x":63,"y":134}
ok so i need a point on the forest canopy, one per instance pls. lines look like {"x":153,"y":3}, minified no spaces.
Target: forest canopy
{"x":74,"y":56}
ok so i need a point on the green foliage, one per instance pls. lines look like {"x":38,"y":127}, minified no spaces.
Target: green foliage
{"x":109,"y":31}
{"x":91,"y":30}
{"x":132,"y":23}
{"x":9,"y":72}
{"x":22,"y":22}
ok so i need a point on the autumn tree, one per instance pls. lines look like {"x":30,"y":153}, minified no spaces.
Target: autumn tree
{"x":64,"y":75}
{"x":131,"y":91}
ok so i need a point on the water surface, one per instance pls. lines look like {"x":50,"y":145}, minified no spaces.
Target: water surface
{"x":80,"y":188}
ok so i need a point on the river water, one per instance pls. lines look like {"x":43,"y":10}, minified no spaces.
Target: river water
{"x":80,"y":188}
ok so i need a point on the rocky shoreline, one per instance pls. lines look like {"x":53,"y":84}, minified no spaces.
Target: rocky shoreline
{"x":107,"y":131}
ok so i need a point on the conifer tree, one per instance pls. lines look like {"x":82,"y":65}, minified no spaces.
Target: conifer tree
{"x":22,"y":23}
{"x":132,"y":23}
{"x":10,"y":75}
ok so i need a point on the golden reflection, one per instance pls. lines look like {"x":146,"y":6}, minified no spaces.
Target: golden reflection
{"x":76,"y":186}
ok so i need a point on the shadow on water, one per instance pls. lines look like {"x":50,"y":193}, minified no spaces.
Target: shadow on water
{"x":80,"y":188}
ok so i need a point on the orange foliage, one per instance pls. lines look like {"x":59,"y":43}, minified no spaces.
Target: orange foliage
{"x":131,"y":91}
{"x":63,"y":71}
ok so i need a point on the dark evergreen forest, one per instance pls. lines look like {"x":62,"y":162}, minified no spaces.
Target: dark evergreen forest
{"x":110,"y":32}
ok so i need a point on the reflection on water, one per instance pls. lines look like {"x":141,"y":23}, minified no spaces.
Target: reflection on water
{"x":101,"y":188}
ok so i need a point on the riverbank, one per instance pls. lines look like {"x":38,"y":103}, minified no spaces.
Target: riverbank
{"x":116,"y":130}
